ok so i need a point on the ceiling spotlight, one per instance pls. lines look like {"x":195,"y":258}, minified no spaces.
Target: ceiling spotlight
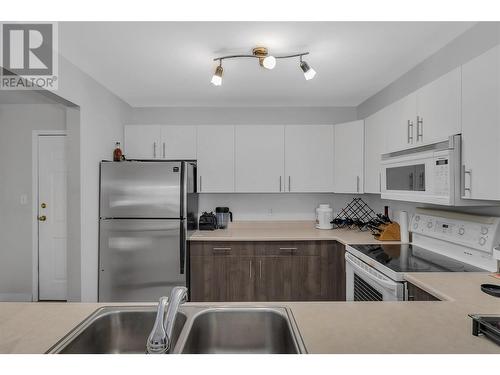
{"x":269,"y":62}
{"x":309,"y":72}
{"x":217,"y":77}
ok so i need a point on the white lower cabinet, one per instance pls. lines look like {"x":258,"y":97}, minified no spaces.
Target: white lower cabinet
{"x":309,"y":158}
{"x":259,"y":158}
{"x":375,"y":138}
{"x":215,"y":154}
{"x":481,"y":126}
{"x":348,"y":157}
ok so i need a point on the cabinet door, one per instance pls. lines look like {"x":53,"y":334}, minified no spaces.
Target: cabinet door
{"x":481,"y":125}
{"x":142,"y":141}
{"x":215,"y":158}
{"x":309,"y":158}
{"x":207,"y":278}
{"x":401,"y":123}
{"x":178,"y":142}
{"x":259,"y":158}
{"x":348,"y":158}
{"x":417,"y":294}
{"x":438,"y":109}
{"x":306,"y":278}
{"x":273,"y":278}
{"x":374,"y":147}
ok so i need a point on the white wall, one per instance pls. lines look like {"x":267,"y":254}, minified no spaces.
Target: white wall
{"x":241,"y":115}
{"x":17,"y":121}
{"x":102,"y":115}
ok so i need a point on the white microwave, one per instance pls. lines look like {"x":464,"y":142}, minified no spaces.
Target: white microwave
{"x":425,"y":174}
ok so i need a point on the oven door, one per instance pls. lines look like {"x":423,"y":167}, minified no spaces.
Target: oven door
{"x":364,"y":283}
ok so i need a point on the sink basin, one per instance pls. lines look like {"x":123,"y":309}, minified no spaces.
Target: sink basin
{"x":114,"y":330}
{"x":241,"y":330}
{"x":198,"y":329}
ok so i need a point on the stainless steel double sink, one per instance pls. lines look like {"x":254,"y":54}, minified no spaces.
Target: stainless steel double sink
{"x":198,"y":330}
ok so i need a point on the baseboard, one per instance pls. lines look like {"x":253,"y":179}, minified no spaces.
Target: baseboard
{"x":15,"y":297}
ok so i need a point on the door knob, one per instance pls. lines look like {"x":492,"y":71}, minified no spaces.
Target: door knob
{"x":42,"y":218}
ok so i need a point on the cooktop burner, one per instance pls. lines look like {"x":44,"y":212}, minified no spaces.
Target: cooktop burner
{"x":411,"y":258}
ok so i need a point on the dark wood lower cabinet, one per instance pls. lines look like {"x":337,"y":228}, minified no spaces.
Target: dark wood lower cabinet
{"x":267,"y":271}
{"x":417,"y":294}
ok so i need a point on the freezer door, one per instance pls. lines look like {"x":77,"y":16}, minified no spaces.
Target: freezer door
{"x":140,"y":260}
{"x":140,"y":190}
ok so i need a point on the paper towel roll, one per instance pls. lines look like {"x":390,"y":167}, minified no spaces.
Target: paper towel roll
{"x":403,"y":225}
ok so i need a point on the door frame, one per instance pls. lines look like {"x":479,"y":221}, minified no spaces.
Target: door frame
{"x":34,"y":199}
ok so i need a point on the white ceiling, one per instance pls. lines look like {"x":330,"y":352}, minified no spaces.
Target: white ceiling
{"x":170,"y":63}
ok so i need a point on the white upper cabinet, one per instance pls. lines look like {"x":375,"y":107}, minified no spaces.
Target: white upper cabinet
{"x":438,"y":109}
{"x":215,"y":158}
{"x":400,"y":125}
{"x":309,"y":158}
{"x":348,"y":157}
{"x":375,"y":137}
{"x":259,"y":158}
{"x":142,"y":141}
{"x":178,"y":142}
{"x":160,"y":142}
{"x":481,"y":126}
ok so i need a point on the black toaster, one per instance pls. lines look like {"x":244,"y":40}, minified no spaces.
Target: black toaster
{"x":207,"y":221}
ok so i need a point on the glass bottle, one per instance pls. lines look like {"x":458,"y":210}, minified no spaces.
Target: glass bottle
{"x":117,"y":154}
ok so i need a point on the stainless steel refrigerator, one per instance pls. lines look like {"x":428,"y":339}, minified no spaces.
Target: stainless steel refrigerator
{"x":146,"y":211}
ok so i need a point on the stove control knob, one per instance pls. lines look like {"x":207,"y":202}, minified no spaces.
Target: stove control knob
{"x":482,"y":241}
{"x":429,"y":224}
{"x":461,"y":231}
{"x":484,"y":230}
{"x":417,"y":217}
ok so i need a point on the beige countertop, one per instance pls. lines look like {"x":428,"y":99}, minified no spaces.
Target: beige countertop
{"x":326,"y":327}
{"x":282,"y":231}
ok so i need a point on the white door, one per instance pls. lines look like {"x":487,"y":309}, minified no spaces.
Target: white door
{"x":401,"y":123}
{"x":215,"y":158}
{"x":178,"y":142}
{"x":259,"y":158}
{"x":142,"y":142}
{"x":348,"y":158}
{"x":481,"y":125}
{"x":438,"y":109}
{"x":309,"y":158}
{"x":375,"y":138}
{"x":52,"y":175}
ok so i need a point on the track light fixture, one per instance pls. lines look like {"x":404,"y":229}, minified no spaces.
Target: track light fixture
{"x":266,"y":61}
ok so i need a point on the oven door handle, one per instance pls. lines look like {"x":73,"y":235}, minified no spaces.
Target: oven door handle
{"x":387,"y":284}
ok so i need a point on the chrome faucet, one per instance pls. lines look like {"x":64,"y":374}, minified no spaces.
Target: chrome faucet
{"x":160,"y":338}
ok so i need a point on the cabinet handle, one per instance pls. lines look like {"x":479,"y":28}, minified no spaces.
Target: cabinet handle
{"x":420,"y":128}
{"x":260,"y":269}
{"x":280,"y":184}
{"x":410,"y":133}
{"x":357,"y":184}
{"x":467,"y":172}
{"x":288,"y":250}
{"x":200,"y":183}
{"x":289,"y":184}
{"x":154,"y":150}
{"x":380,"y":182}
{"x":163,"y":150}
{"x":250,"y":269}
{"x":221,"y":250}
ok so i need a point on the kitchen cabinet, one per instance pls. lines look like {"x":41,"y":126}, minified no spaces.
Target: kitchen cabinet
{"x":309,"y":158}
{"x":417,"y":294}
{"x":215,"y":156}
{"x":267,"y":271}
{"x":374,"y":147}
{"x":438,"y":109}
{"x":348,"y":157}
{"x":160,"y":142}
{"x":259,"y":158}
{"x":481,"y":126}
{"x":400,"y":125}
{"x":142,"y":141}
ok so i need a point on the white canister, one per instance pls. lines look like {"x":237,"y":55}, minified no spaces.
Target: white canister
{"x":324,"y":217}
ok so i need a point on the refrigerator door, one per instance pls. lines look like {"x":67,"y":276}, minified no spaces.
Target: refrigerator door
{"x":140,"y":260}
{"x":136,"y":189}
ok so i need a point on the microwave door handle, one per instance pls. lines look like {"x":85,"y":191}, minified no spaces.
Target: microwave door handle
{"x":411,"y":181}
{"x":387,"y":284}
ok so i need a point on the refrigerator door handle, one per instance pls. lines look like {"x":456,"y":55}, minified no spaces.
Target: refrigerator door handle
{"x":182,"y":257}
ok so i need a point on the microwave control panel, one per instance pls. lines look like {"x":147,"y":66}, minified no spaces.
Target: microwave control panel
{"x":480,"y":234}
{"x":441,"y":174}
